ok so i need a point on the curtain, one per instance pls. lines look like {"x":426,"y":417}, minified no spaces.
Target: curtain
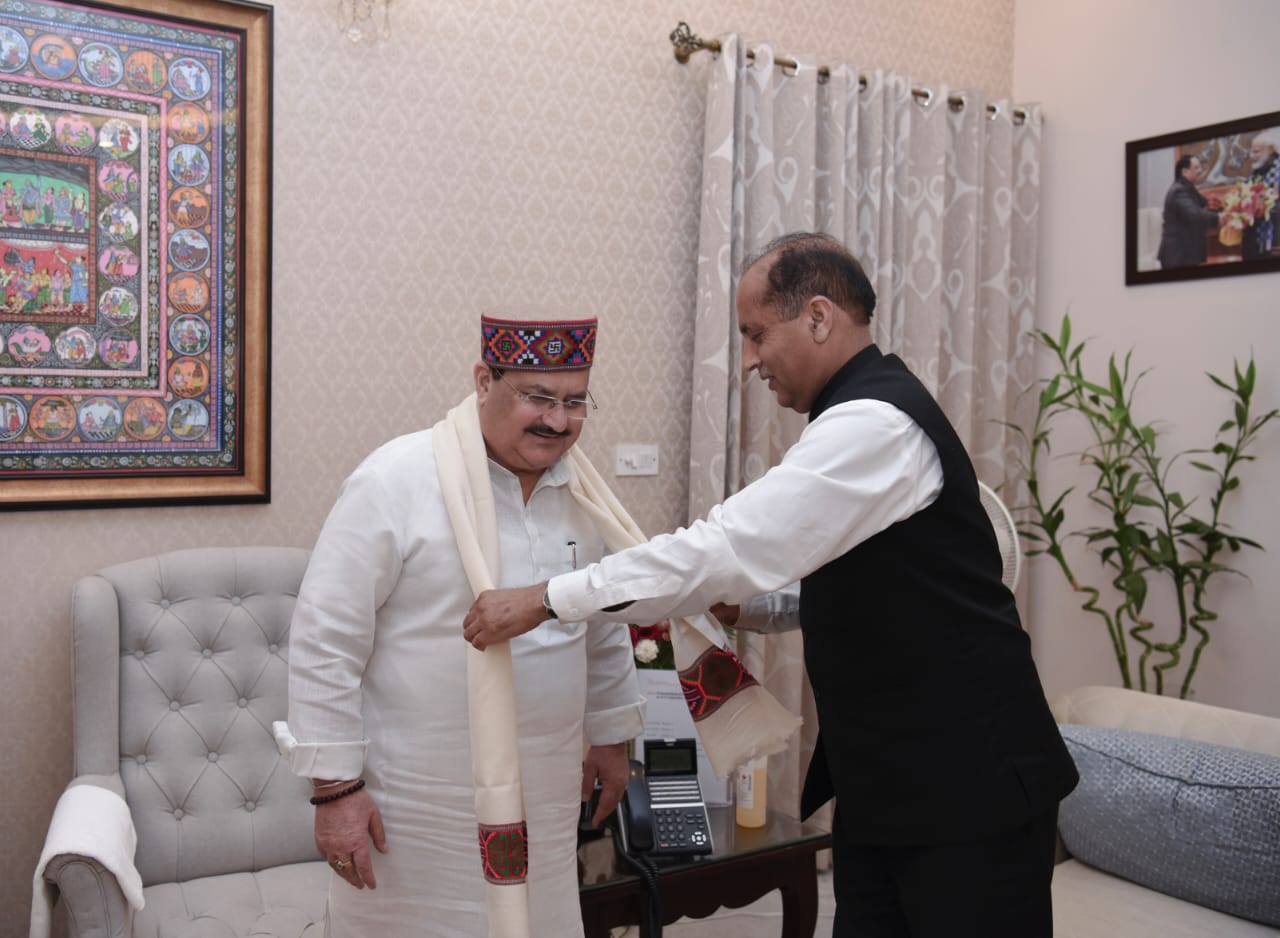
{"x":939,"y":203}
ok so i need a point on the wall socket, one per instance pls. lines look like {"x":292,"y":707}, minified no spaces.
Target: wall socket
{"x":636,"y":459}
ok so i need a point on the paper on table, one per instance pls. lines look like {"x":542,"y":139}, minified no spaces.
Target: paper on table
{"x":667,"y":717}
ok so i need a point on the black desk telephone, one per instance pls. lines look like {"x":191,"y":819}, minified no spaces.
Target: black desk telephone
{"x":662,"y":817}
{"x":662,"y":813}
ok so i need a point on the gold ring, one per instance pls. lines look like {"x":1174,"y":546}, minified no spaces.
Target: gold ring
{"x":339,"y":864}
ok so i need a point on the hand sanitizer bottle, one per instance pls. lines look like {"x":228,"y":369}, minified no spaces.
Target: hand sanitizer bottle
{"x":751,"y":782}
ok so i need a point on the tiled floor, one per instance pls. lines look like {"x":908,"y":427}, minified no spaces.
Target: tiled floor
{"x":762,"y":919}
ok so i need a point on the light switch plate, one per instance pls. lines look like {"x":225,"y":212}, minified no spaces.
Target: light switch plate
{"x":636,"y":459}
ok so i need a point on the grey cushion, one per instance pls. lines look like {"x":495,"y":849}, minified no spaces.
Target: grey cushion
{"x":1190,"y":819}
{"x":278,"y":902}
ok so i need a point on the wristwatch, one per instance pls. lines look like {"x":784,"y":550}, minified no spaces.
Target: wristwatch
{"x":546,"y":604}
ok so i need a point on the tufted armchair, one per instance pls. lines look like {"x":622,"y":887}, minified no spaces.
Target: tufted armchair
{"x":179,"y":669}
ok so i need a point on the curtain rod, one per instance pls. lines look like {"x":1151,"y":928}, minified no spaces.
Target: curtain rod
{"x":686,"y":44}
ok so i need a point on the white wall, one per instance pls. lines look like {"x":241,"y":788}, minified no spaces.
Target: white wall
{"x":1108,"y":73}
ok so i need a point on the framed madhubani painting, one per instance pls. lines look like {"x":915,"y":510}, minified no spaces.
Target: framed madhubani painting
{"x":135,"y":147}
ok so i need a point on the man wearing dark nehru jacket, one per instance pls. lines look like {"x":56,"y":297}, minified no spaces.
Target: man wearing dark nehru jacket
{"x":934,"y":735}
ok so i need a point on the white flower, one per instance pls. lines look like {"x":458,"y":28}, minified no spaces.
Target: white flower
{"x":646,"y":650}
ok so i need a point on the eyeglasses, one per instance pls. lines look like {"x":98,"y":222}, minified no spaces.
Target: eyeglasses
{"x":544,"y":404}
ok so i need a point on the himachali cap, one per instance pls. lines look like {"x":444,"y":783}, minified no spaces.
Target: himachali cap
{"x":533,"y":345}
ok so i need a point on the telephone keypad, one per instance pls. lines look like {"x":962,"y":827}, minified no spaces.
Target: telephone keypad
{"x":681,"y":830}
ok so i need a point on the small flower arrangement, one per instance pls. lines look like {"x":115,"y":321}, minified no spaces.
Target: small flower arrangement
{"x":1242,"y":205}
{"x":651,"y":645}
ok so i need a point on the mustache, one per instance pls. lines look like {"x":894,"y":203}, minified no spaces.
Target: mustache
{"x":539,"y":430}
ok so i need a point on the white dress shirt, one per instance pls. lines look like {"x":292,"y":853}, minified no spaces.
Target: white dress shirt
{"x":857,"y":469}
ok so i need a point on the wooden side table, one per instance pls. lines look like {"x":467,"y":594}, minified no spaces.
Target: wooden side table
{"x":745,"y":865}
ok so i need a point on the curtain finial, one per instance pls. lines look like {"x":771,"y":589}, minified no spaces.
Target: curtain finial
{"x":686,"y":43}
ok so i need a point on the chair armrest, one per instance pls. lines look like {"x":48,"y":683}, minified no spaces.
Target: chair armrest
{"x":75,"y":885}
{"x":90,"y":902}
{"x":112,"y":783}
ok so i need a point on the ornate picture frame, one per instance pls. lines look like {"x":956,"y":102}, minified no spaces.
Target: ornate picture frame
{"x":1204,"y":202}
{"x":135,"y":252}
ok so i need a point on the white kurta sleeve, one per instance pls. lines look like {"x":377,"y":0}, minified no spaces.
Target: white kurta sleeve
{"x":615,"y":709}
{"x":355,"y":564}
{"x":857,"y":469}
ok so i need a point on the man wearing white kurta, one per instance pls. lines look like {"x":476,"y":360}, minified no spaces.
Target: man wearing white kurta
{"x":378,"y":672}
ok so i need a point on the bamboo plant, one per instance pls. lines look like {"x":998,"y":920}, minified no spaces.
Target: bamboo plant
{"x":1155,"y":536}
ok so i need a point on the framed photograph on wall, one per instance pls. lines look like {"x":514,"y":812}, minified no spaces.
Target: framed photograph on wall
{"x":1204,"y":202}
{"x":135,"y":234}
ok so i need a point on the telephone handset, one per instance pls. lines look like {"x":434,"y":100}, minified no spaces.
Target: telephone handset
{"x":635,"y":814}
{"x":662,"y":812}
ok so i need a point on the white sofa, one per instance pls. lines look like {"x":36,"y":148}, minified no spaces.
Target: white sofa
{"x":1090,"y":903}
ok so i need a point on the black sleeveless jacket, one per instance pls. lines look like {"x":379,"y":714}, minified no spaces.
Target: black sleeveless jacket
{"x":933,"y":725}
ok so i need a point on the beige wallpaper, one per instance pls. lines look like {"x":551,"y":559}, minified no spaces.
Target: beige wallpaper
{"x":491,"y":150}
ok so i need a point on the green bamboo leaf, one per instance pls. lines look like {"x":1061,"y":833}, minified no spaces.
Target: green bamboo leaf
{"x":1135,"y":587}
{"x":1226,"y":425}
{"x":1057,"y":502}
{"x":1207,"y":567}
{"x":1129,"y":538}
{"x":1090,"y":386}
{"x":1220,"y":383}
{"x":1113,"y":376}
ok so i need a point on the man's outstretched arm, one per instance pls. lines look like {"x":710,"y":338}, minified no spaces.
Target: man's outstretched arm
{"x":746,"y":546}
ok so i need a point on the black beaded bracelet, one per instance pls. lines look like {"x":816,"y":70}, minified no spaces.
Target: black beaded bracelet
{"x":350,"y":790}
